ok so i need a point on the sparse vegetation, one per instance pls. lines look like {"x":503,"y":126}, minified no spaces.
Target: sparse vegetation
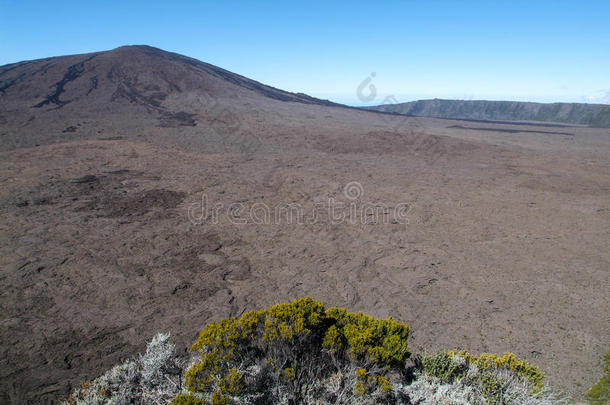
{"x":283,"y":352}
{"x":499,"y":379}
{"x":599,"y":394}
{"x":302,"y":353}
{"x":153,"y":378}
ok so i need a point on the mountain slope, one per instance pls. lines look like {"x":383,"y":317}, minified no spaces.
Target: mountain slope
{"x":122,"y":73}
{"x":597,"y":115}
{"x":133,"y":87}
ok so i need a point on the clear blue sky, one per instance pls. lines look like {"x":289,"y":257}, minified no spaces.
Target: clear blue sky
{"x":517,"y":50}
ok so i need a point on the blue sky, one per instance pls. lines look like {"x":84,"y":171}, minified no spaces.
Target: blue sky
{"x":514,"y":50}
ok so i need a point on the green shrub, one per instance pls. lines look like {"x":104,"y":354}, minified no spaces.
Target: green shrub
{"x":492,"y":387}
{"x":366,"y":339}
{"x":302,"y":353}
{"x":495,"y":379}
{"x":155,"y":374}
{"x":489,"y":361}
{"x":599,"y":394}
{"x":187,"y":399}
{"x":294,"y":346}
{"x":443,"y":365}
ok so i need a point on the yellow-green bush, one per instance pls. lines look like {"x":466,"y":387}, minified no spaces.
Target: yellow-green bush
{"x":300,"y":352}
{"x":296,"y":343}
{"x":599,"y":394}
{"x":443,"y":365}
{"x":381,"y":341}
{"x":187,"y":399}
{"x":499,"y":379}
{"x":367,"y":384}
{"x":509,"y":361}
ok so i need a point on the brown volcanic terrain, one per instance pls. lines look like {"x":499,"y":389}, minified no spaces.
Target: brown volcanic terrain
{"x":506,"y":249}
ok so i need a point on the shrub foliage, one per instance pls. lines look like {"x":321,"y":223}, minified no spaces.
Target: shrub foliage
{"x":496,"y":379}
{"x":283,"y":352}
{"x":152,"y":378}
{"x":600,"y":393}
{"x":302,"y":353}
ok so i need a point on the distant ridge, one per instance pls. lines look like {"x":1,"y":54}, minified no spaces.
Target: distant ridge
{"x":596,"y":115}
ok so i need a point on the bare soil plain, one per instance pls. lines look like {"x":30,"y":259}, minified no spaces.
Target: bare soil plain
{"x":103,"y":241}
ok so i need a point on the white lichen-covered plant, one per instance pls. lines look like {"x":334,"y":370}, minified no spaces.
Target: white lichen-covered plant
{"x":302,"y":353}
{"x":153,"y":378}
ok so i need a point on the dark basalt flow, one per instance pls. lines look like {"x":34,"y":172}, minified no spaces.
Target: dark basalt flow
{"x":179,"y":119}
{"x":93,"y":85}
{"x":5,"y":84}
{"x":72,"y":74}
{"x":510,"y":131}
